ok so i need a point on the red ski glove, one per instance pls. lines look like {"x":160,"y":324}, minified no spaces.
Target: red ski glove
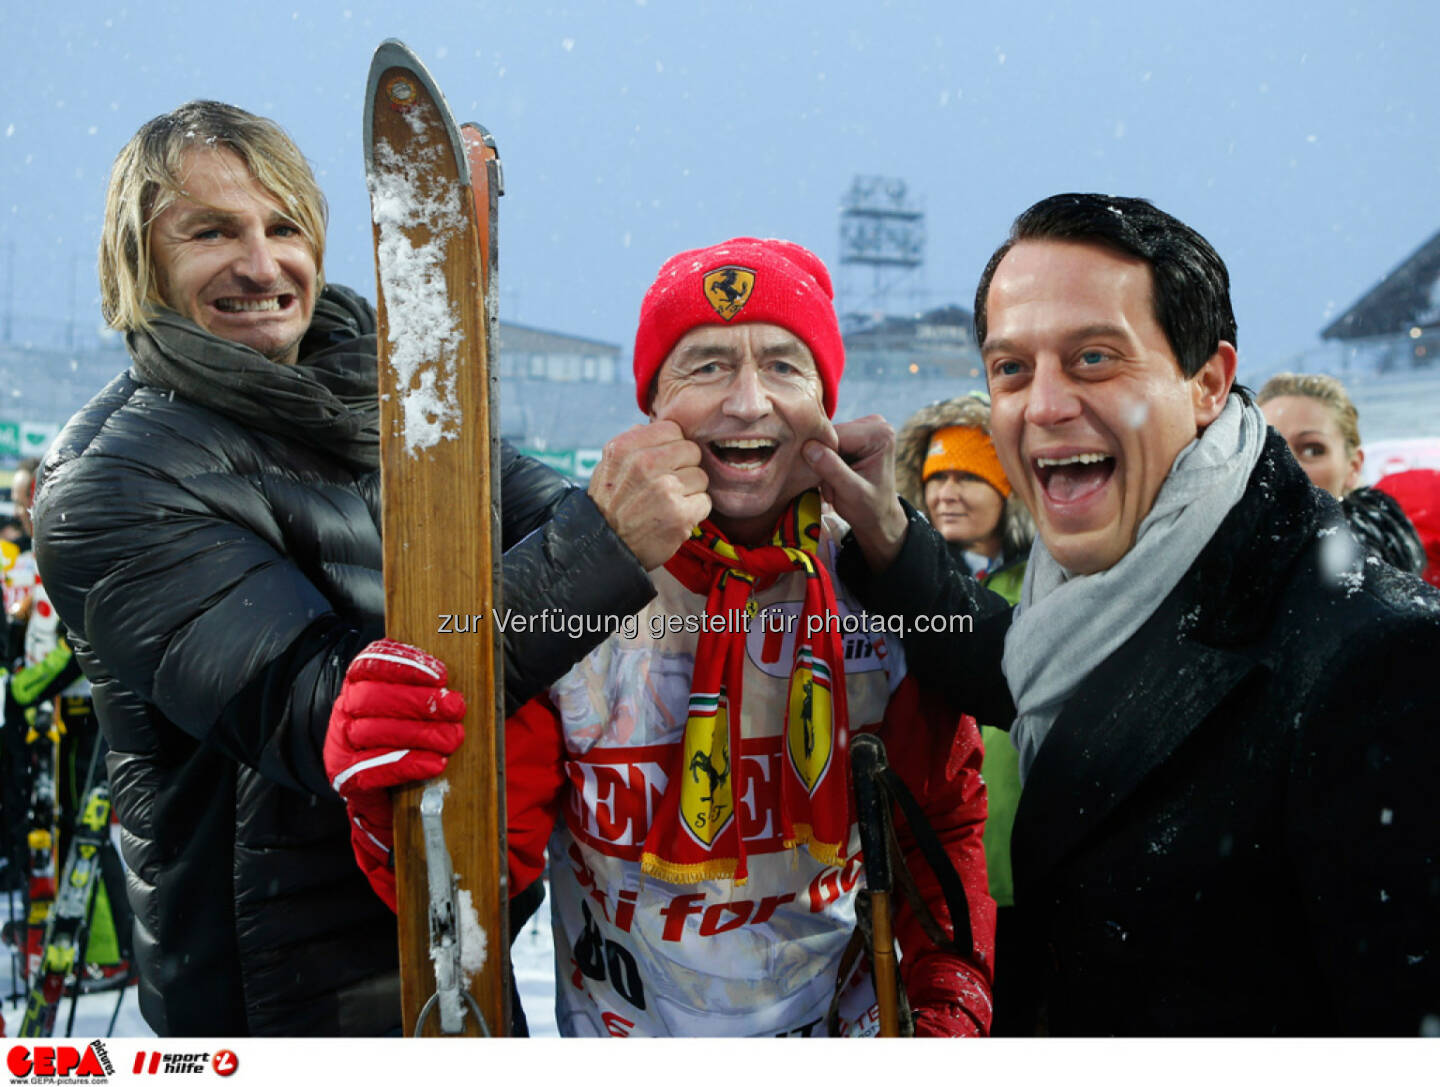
{"x":948,"y":997}
{"x":394,"y":722}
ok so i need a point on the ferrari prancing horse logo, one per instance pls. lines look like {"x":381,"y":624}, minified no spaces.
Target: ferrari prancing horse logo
{"x":728,"y":289}
{"x":707,"y":805}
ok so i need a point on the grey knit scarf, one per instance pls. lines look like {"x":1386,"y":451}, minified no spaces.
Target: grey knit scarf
{"x":328,"y":400}
{"x":1065,"y":625}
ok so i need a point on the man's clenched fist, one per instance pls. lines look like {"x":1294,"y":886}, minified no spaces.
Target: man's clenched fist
{"x":651,"y":489}
{"x":858,"y":479}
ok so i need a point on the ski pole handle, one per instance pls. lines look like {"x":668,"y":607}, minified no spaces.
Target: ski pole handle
{"x":887,"y":974}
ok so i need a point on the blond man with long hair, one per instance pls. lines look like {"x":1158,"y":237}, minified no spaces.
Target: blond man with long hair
{"x":208,"y":529}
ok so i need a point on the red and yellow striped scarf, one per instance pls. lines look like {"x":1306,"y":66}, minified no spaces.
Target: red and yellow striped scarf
{"x":698,"y":832}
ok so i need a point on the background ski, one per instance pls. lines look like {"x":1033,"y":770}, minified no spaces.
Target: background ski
{"x":439,"y":454}
{"x":42,"y":741}
{"x":487,"y":185}
{"x":69,"y":918}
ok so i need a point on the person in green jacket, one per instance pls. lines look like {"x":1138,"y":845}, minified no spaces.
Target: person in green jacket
{"x":945,"y":466}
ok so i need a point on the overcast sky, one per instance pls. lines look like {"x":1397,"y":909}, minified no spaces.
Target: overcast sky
{"x":1300,"y":137}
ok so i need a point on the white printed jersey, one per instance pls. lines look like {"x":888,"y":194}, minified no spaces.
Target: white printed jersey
{"x":637,"y":955}
{"x":22,"y":590}
{"x":42,"y":634}
{"x":20,"y":578}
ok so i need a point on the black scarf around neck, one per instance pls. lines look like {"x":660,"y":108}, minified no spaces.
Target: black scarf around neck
{"x":327,"y":400}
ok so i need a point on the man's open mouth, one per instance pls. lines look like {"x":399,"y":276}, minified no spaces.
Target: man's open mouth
{"x":744,"y":452}
{"x":1068,"y":479}
{"x":271,"y":304}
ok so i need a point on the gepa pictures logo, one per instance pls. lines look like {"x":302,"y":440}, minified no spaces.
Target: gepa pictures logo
{"x":59,"y":1063}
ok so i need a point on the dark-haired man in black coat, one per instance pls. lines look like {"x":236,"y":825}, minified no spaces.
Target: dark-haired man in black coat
{"x":1228,"y":726}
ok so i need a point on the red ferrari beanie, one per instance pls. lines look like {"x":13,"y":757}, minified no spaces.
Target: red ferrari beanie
{"x":743,"y":280}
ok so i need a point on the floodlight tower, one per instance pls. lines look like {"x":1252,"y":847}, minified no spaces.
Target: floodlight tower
{"x":882,"y":248}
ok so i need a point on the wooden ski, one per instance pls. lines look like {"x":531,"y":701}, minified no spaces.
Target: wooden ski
{"x":487,"y":185}
{"x":439,"y":478}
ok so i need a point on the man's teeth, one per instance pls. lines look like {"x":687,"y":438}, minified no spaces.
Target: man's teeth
{"x":744,"y":443}
{"x":745,"y":452}
{"x":247,"y":305}
{"x":1078,"y":458}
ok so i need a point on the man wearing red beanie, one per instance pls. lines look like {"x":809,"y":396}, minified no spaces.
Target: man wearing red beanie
{"x":705,"y":863}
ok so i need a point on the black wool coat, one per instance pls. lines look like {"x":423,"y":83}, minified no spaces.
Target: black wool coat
{"x":1233,"y":826}
{"x":217,"y":581}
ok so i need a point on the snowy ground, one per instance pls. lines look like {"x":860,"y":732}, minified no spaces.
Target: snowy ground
{"x":534,"y":965}
{"x":533,"y":959}
{"x":92,"y":1016}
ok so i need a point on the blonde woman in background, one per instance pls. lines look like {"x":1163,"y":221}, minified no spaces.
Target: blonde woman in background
{"x":1320,"y":424}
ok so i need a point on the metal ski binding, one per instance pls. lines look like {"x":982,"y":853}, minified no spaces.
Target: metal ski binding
{"x":451,"y":994}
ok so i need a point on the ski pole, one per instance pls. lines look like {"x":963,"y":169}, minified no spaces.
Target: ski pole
{"x":84,"y":941}
{"x":78,"y":966}
{"x":115,"y":1015}
{"x":15,"y":930}
{"x":867,"y":762}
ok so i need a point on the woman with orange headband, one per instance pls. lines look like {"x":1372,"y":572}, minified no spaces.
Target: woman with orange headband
{"x":945,"y":466}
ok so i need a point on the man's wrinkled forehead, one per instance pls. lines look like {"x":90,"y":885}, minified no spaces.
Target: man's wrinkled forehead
{"x":766,"y":341}
{"x":721,"y":343}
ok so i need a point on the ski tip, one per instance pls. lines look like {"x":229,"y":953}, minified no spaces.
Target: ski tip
{"x":394,"y":58}
{"x":479,"y":141}
{"x":393,"y":53}
{"x":475,"y":130}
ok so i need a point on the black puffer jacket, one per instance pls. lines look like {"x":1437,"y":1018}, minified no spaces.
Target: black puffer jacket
{"x":217,"y":580}
{"x":1383,"y":530}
